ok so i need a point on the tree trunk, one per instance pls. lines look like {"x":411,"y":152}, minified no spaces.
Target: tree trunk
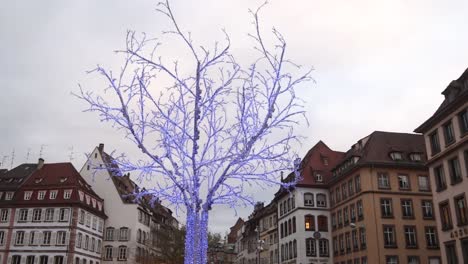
{"x":196,"y":238}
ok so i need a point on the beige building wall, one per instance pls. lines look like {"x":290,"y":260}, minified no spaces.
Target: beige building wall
{"x":458,"y":234}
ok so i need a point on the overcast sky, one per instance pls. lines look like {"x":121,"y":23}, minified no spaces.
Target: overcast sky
{"x":379,"y":65}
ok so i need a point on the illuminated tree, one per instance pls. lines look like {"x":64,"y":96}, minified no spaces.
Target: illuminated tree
{"x":210,"y":134}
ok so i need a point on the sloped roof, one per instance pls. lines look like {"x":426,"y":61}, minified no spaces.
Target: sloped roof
{"x":455,"y":94}
{"x":12,"y":179}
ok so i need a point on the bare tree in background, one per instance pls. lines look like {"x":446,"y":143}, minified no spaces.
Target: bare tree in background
{"x":212,"y":132}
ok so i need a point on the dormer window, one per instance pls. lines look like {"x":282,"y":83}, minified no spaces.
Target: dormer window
{"x":53,"y":195}
{"x":396,"y":155}
{"x":8,"y":196}
{"x":27,"y":195}
{"x":318,"y":177}
{"x":415,"y":156}
{"x":41,"y":195}
{"x":67,"y":194}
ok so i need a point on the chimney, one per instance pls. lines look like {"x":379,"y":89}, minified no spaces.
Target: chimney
{"x":40,"y":163}
{"x":101,"y":147}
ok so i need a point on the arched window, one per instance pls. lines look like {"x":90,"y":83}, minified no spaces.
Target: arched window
{"x":139,"y":236}
{"x":321,"y":200}
{"x":282,"y":252}
{"x":286,"y":251}
{"x":309,"y":223}
{"x":308,"y":199}
{"x":322,"y":222}
{"x":123,"y":236}
{"x":290,"y":250}
{"x":281,"y":230}
{"x":285,"y":206}
{"x":294,"y":224}
{"x":289,"y":204}
{"x":295,"y":248}
{"x":310,"y":247}
{"x":122,"y":254}
{"x":323,"y":247}
{"x":293,"y":202}
{"x":109,"y":233}
{"x":289,"y":227}
{"x":77,"y":260}
{"x":281,"y":209}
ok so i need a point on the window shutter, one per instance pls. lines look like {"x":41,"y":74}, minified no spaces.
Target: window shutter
{"x":26,"y":238}
{"x":67,"y":238}
{"x":38,"y":238}
{"x":115,"y":252}
{"x":116,"y":234}
{"x":56,"y":214}
{"x":128,"y":235}
{"x":23,"y":259}
{"x":14,"y":238}
{"x":36,"y":260}
{"x":127,"y":253}
{"x":67,"y":214}
{"x":16,"y":214}
{"x":53,"y":238}
{"x":30,"y":215}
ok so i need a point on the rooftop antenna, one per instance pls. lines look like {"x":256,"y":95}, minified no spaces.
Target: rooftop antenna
{"x":28,"y":154}
{"x":42,"y":150}
{"x":71,"y":153}
{"x":3,"y":160}
{"x":12,"y":158}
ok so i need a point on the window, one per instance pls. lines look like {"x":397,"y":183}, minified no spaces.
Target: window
{"x":19,"y":238}
{"x":323,"y":248}
{"x":4,"y":215}
{"x":348,"y":242}
{"x":461,"y":211}
{"x":318,"y":177}
{"x":407,"y":208}
{"x":351,"y":187}
{"x":94,"y":225}
{"x":451,"y":252}
{"x":61,"y":236}
{"x":86,"y":242}
{"x":123,"y":236}
{"x":455,"y":172}
{"x":362,"y":237}
{"x":435,"y":146}
{"x":309,"y":223}
{"x":43,"y":259}
{"x":98,"y":246}
{"x":344,"y":191}
{"x":338,"y":194}
{"x":64,"y":214}
{"x":345,"y":216}
{"x":396,"y":155}
{"x":360,"y":211}
{"x":357,"y":182}
{"x":410,"y":236}
{"x":440,"y":178}
{"x":41,"y":195}
{"x":386,"y":207}
{"x":53,"y":195}
{"x":340,"y":218}
{"x":383,"y":181}
{"x":79,"y":239}
{"x":391,"y":260}
{"x":463,"y":121}
{"x":49,"y":215}
{"x":67,"y":194}
{"x":389,"y":236}
{"x":322,"y":222}
{"x":428,"y":211}
{"x":9,"y":195}
{"x":333,"y":220}
{"x":416,"y":156}
{"x":27,"y":195}
{"x":46,"y":236}
{"x":403,"y":182}
{"x":37,"y":215}
{"x":308,"y":199}
{"x":122,"y":253}
{"x":310,"y":247}
{"x":445,"y":218}
{"x":281,"y":209}
{"x":352,"y":209}
{"x":88,"y":220}
{"x":16,"y":259}
{"x":93,"y":244}
{"x":81,"y":218}
{"x":448,"y":133}
{"x":2,"y":237}
{"x":59,"y":260}
{"x":23,"y":215}
{"x":109,"y":234}
{"x":342,"y":246}
{"x":423,"y":183}
{"x":354,"y":238}
{"x":321,"y":200}
{"x":431,"y":237}
{"x":30,"y":259}
{"x":108,"y":253}
{"x":413,"y":260}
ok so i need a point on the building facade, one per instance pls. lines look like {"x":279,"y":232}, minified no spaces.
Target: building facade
{"x":268,"y":237}
{"x":129,"y":237}
{"x":381,"y":203}
{"x":56,"y":218}
{"x":303,"y":212}
{"x":445,"y":134}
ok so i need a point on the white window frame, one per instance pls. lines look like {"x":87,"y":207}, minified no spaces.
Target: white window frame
{"x":41,"y":195}
{"x":53,"y":194}
{"x":27,"y":195}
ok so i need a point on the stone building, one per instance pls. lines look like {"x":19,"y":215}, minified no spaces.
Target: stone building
{"x":445,"y":134}
{"x":381,"y":203}
{"x":53,"y":217}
